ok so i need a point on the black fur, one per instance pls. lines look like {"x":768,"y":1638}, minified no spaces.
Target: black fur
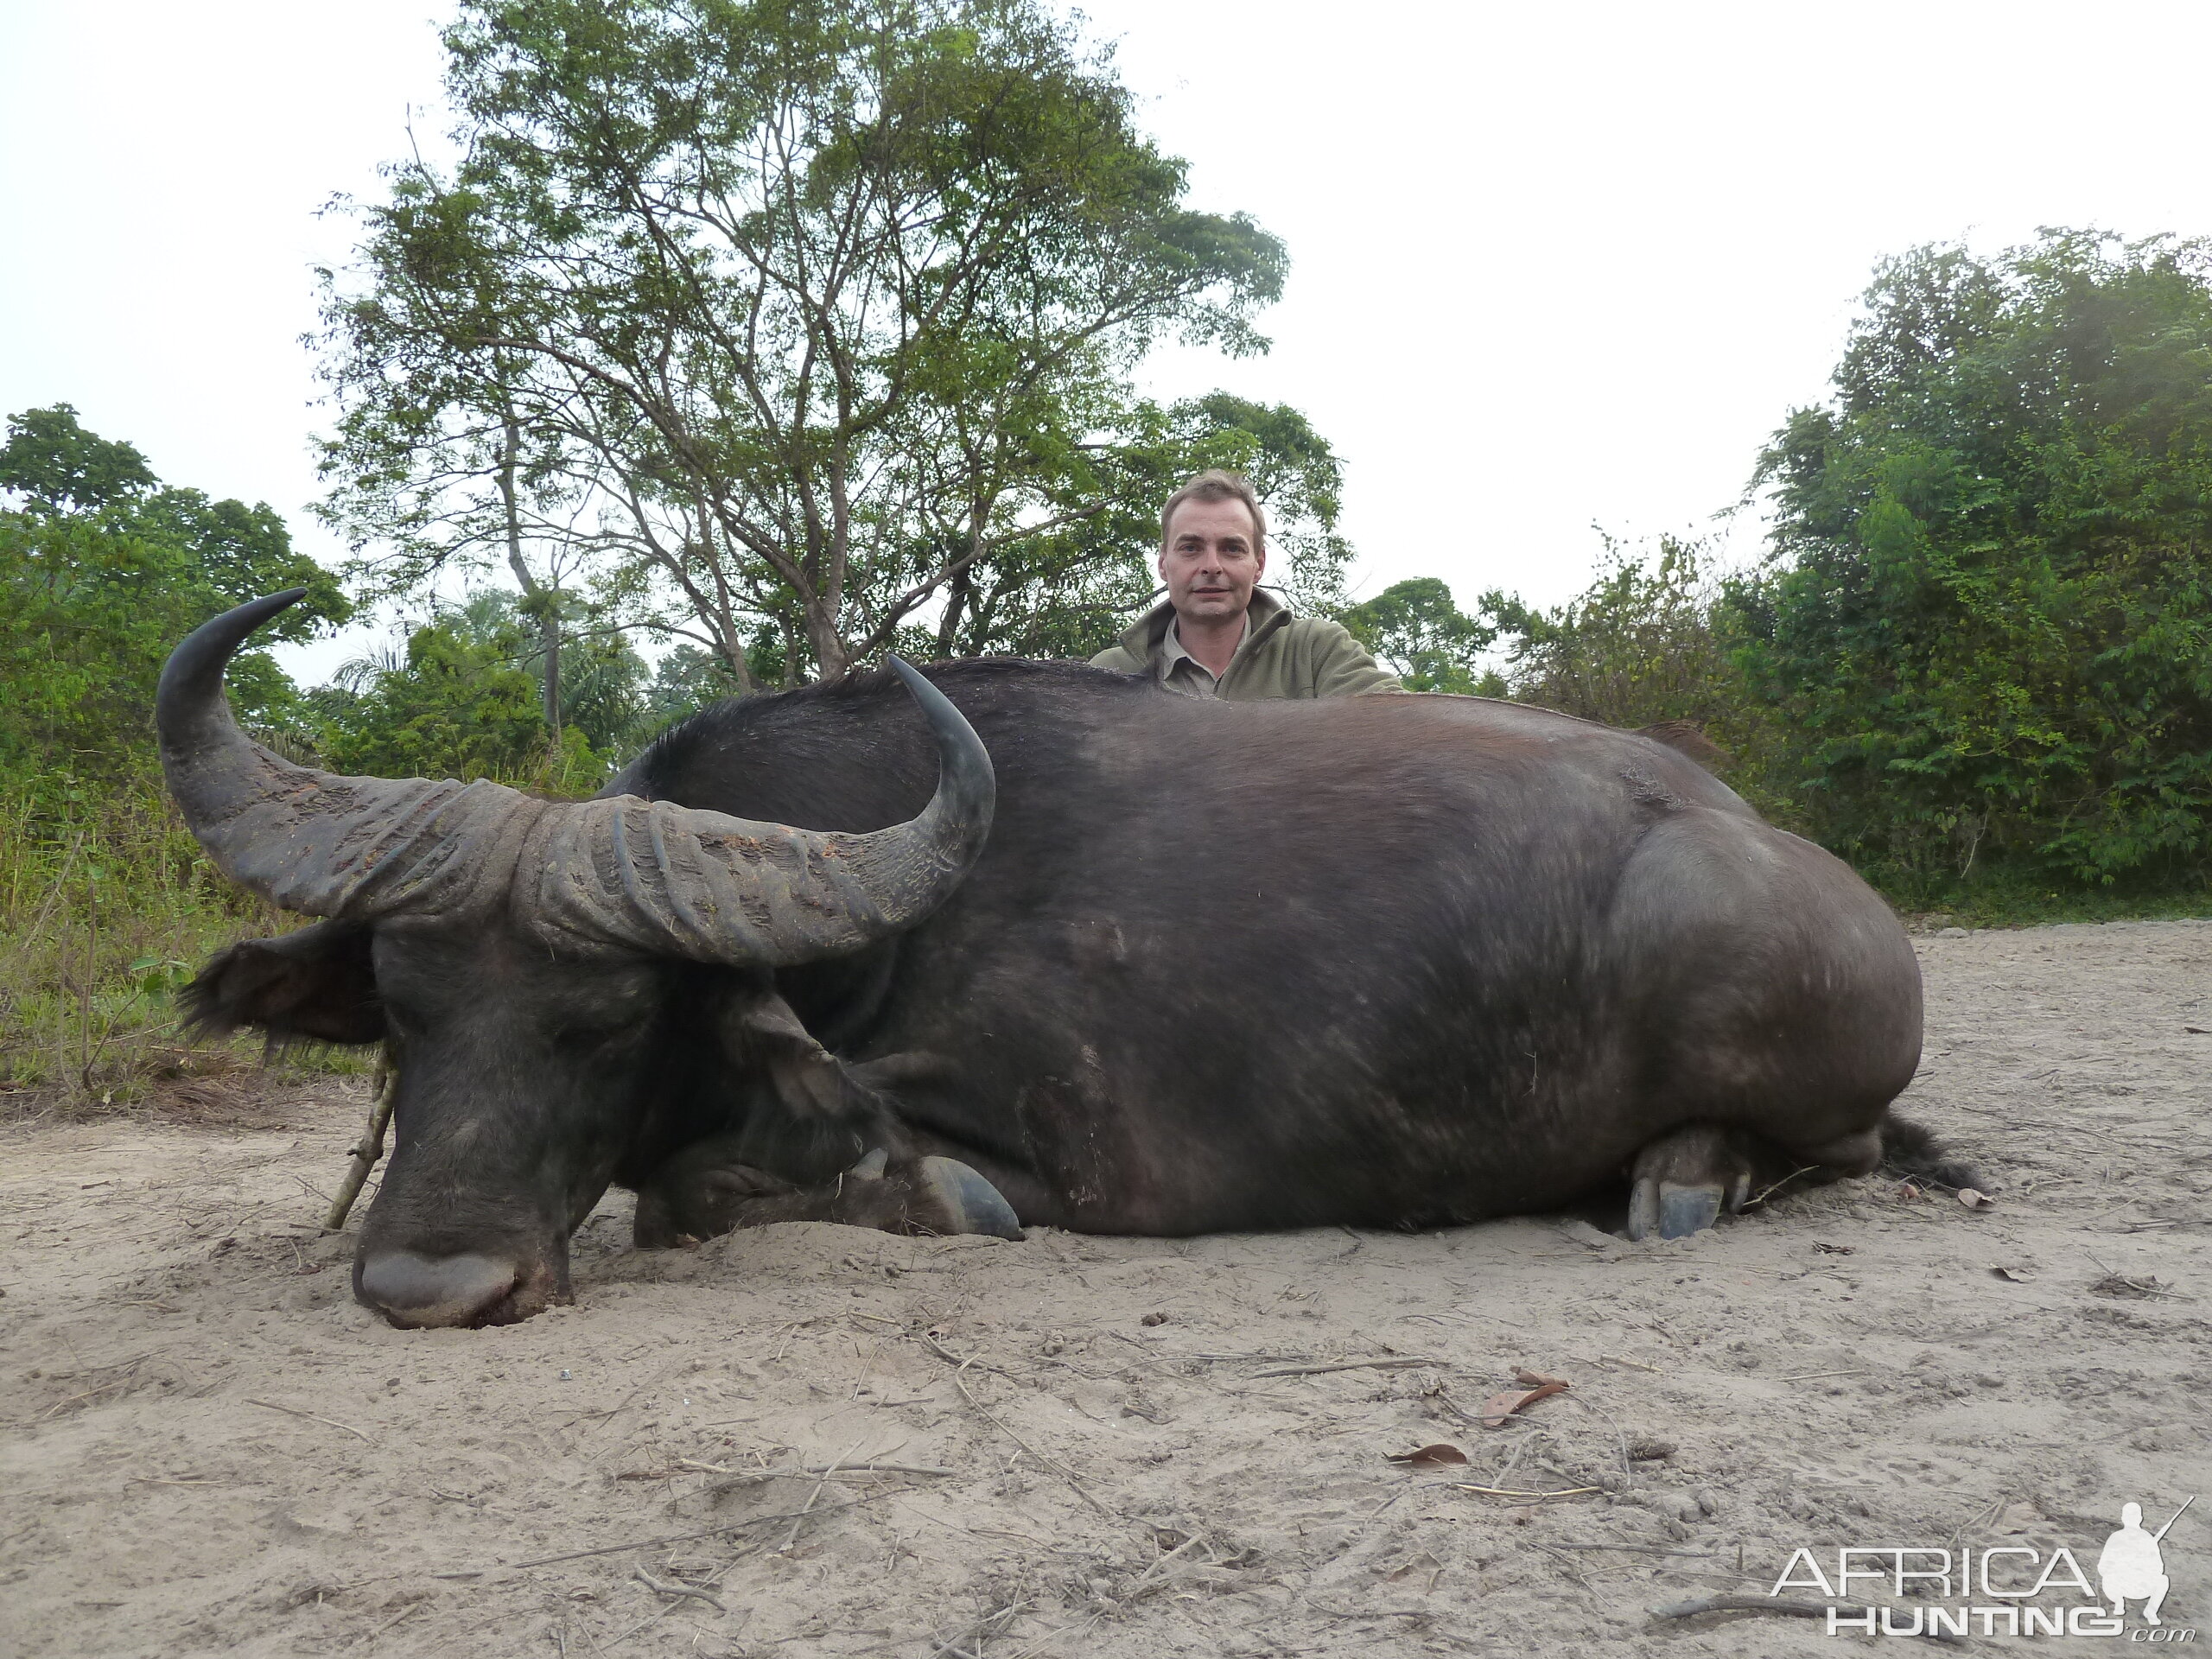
{"x":1911,"y":1150}
{"x":1384,"y":961}
{"x":313,"y":986}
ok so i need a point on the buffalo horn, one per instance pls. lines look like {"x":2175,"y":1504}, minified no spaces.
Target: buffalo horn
{"x":663,"y":878}
{"x":648,"y":875}
{"x":314,"y":841}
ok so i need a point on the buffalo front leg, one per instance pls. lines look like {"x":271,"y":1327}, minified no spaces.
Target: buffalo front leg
{"x":703,"y":1192}
{"x":1682,"y":1182}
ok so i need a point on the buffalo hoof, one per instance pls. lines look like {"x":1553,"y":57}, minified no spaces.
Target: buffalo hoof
{"x":1682,"y":1181}
{"x":977,"y":1205}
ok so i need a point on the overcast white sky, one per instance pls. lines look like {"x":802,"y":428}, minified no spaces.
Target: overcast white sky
{"x":1553,"y":264}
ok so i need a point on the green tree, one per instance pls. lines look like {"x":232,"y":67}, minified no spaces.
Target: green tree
{"x":1987,"y":625}
{"x":102,"y":571}
{"x":1652,"y":638}
{"x":684,"y":681}
{"x":452,"y":707}
{"x":463,"y":697}
{"x":796,"y":316}
{"x":1416,"y":630}
{"x":57,"y":467}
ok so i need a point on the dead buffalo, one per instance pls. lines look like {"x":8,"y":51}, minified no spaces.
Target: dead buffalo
{"x":1385,"y":961}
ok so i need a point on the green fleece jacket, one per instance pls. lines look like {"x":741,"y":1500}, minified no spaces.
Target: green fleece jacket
{"x":1280,"y":655}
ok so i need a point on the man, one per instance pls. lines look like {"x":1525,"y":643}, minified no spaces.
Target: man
{"x":1217,"y":635}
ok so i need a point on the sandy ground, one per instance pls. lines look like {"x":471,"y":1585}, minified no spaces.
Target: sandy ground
{"x":206,"y":1447}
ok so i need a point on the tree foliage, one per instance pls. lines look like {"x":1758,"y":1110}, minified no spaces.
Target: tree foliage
{"x":1416,"y":630}
{"x":464,"y":697}
{"x":452,"y":707}
{"x":103,"y":569}
{"x":812,"y":319}
{"x":1652,"y":638}
{"x":1987,"y":627}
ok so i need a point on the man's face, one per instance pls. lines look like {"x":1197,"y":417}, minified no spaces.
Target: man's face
{"x":1212,"y":560}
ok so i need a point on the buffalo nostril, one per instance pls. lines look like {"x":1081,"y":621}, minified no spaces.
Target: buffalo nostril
{"x":441,"y":1290}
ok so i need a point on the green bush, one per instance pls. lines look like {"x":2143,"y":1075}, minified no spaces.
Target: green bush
{"x":106,"y":903}
{"x":1413,"y":629}
{"x":102,"y":571}
{"x":1987,"y":629}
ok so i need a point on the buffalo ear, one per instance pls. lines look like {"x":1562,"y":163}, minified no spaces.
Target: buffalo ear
{"x":810,"y":1118}
{"x":316,"y":985}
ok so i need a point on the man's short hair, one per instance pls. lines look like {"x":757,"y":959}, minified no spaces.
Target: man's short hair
{"x":1215,"y":485}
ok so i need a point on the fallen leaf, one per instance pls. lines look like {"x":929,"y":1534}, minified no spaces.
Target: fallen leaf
{"x":1974,"y":1201}
{"x":1428,"y":1457}
{"x":1500,"y":1408}
{"x":2017,"y":1275}
{"x":1529,"y":1379}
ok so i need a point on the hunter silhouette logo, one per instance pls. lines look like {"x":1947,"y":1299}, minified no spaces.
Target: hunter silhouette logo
{"x":2132,"y":1566}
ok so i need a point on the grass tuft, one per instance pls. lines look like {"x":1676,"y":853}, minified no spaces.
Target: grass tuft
{"x":107,"y":909}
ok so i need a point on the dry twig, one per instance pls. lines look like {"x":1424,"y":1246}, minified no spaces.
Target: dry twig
{"x":807,"y":1507}
{"x":664,"y":1587}
{"x":370,"y":1147}
{"x":1394,"y":1362}
{"x":412,"y":1608}
{"x":754,"y":1476}
{"x":977,"y":1629}
{"x":1054,"y":1463}
{"x":652,"y":1543}
{"x":327,"y":1422}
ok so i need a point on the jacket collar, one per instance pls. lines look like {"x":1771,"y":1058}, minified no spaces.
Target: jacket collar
{"x":1267,"y":615}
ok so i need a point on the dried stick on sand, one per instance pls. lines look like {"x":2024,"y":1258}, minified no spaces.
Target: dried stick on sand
{"x":1391,"y":1362}
{"x":668,"y":1587}
{"x":960,"y":1366}
{"x":369,"y":1147}
{"x":327,"y":1422}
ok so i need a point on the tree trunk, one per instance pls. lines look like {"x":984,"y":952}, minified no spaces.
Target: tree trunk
{"x":551,"y":626}
{"x":549,"y":621}
{"x":830,"y":660}
{"x":957,"y":592}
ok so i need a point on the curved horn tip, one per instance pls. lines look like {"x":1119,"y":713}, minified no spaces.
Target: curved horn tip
{"x":228,"y":631}
{"x":951,"y":725}
{"x":968,"y":776}
{"x":935,"y":703}
{"x":255,"y":611}
{"x":192,"y":677}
